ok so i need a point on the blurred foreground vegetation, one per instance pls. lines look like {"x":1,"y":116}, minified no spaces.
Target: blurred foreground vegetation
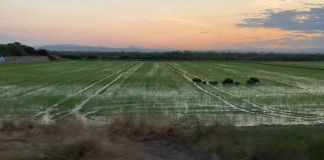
{"x":128,"y":137}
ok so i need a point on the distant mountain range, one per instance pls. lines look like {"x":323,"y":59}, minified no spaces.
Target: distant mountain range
{"x":132,"y":48}
{"x":75,"y":48}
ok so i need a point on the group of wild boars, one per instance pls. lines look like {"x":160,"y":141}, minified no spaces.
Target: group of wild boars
{"x":196,"y":80}
{"x":252,"y":81}
{"x":204,"y":82}
{"x":228,"y":81}
{"x":213,"y":83}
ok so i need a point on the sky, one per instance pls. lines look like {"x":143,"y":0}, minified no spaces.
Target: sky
{"x":177,"y":24}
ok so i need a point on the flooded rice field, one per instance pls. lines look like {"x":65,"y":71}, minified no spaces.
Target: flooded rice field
{"x":98,"y":90}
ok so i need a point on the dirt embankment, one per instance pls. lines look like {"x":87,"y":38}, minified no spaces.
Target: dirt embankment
{"x":20,"y":59}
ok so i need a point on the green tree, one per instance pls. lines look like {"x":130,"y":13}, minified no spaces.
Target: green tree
{"x":42,"y":52}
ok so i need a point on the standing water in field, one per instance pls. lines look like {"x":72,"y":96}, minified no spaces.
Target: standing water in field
{"x":98,"y":90}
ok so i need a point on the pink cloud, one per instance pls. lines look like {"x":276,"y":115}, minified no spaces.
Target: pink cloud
{"x":271,"y":46}
{"x":308,"y":47}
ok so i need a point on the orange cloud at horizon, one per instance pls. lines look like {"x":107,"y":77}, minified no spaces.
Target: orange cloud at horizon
{"x":308,"y":47}
{"x":270,"y":46}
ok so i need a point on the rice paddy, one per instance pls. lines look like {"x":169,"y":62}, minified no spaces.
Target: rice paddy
{"x":315,"y":65}
{"x":99,"y":89}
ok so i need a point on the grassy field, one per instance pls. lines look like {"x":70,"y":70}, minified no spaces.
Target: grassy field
{"x":100,"y":89}
{"x":317,"y":65}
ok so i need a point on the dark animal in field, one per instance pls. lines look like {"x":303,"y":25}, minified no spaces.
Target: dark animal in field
{"x":204,"y":82}
{"x":228,"y":81}
{"x":196,"y":80}
{"x":213,"y":83}
{"x":250,"y":81}
{"x":255,"y":80}
{"x":237,"y":83}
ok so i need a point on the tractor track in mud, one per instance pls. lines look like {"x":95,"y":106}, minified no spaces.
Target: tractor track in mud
{"x":281,"y":84}
{"x":79,"y":106}
{"x":80,"y":77}
{"x":284,"y":85}
{"x":235,"y":107}
{"x":280,"y":65}
{"x":47,"y":111}
{"x":274,"y":111}
{"x":266,"y":111}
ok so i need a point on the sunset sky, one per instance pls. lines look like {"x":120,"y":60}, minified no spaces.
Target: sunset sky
{"x":178,"y":24}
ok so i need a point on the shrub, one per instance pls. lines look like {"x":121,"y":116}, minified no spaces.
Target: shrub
{"x":42,"y":52}
{"x":22,"y":122}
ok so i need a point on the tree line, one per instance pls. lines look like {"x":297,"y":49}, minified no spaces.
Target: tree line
{"x":188,"y":56}
{"x":18,"y":49}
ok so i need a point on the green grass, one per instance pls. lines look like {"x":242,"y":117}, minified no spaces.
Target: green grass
{"x":317,"y":65}
{"x":101,"y":89}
